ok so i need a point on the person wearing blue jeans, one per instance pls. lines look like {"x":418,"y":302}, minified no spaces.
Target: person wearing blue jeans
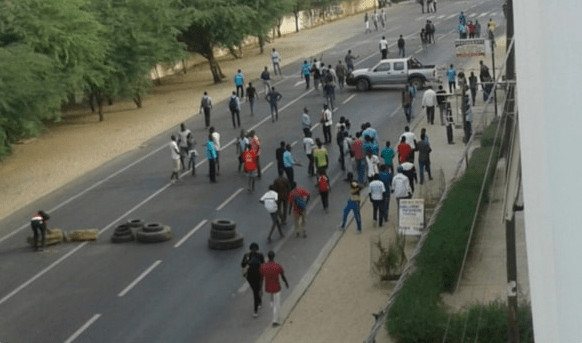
{"x":353,"y":204}
{"x":386,"y":177}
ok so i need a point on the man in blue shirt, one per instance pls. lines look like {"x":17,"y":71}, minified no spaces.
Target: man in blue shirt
{"x":386,"y":177}
{"x":288,"y":163}
{"x":211,"y":156}
{"x":388,"y":155}
{"x":239,"y":82}
{"x":306,"y":72}
{"x":451,"y":76}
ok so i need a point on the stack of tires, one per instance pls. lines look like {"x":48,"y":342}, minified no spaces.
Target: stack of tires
{"x":147,"y":233}
{"x":223,"y":235}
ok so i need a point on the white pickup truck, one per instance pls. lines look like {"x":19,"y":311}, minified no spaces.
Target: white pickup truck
{"x":395,"y":71}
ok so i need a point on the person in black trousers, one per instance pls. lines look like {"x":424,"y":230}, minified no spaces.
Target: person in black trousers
{"x":252,"y":261}
{"x":38,"y":225}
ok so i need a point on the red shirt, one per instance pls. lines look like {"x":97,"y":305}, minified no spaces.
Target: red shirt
{"x":357,"y":149}
{"x":271,"y":271}
{"x":300,"y":192}
{"x":250,"y":160}
{"x":256,"y":145}
{"x":404,"y":151}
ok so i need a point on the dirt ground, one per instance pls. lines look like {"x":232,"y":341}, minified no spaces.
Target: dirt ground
{"x":80,"y":143}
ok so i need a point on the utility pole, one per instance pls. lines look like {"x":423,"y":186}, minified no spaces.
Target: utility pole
{"x":492,"y":39}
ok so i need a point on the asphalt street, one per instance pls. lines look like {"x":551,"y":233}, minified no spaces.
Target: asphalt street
{"x":181,"y":290}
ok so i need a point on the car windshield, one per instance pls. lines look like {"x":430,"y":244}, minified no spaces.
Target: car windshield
{"x":413,"y":63}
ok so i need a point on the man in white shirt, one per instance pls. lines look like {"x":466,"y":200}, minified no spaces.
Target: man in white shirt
{"x":372,"y":162}
{"x":306,"y":121}
{"x":175,"y":151}
{"x":429,"y":100}
{"x":377,"y":196}
{"x":384,"y":47}
{"x":276,"y":59}
{"x":401,"y":186}
{"x":308,"y":145}
{"x":326,"y":117}
{"x":183,"y":143}
{"x":270,"y":201}
{"x":410,"y":137}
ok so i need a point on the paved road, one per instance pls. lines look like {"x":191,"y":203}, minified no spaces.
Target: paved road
{"x":181,"y":290}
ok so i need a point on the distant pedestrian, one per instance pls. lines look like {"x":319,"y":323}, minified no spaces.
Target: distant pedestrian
{"x":462,"y":18}
{"x":283,"y":188}
{"x":442,"y":103}
{"x":471,"y":27}
{"x":183,"y":144}
{"x":234,"y":107}
{"x":305,"y":73}
{"x":359,"y":157}
{"x":383,"y":46}
{"x":320,"y":156}
{"x":367,"y":24}
{"x":251,"y":95}
{"x":316,"y":73}
{"x":266,"y":77}
{"x":279,"y":158}
{"x":250,"y":165}
{"x":269,"y":199}
{"x":241,"y":145}
{"x":404,"y":150}
{"x":273,"y":97}
{"x":486,"y":80}
{"x":288,"y":163}
{"x":298,"y":199}
{"x":276,"y":59}
{"x":377,"y":196}
{"x":424,"y":151}
{"x":386,"y":177}
{"x":477,"y":29}
{"x":341,"y":71}
{"x":401,"y":49}
{"x":211,"y":156}
{"x":473,"y":86}
{"x":401,"y":186}
{"x":327,"y":122}
{"x":175,"y":153}
{"x":206,"y":106}
{"x":252,"y":262}
{"x":308,"y":145}
{"x":422,"y":4}
{"x":353,"y":205}
{"x":450,"y":123}
{"x":468,"y":117}
{"x":38,"y":226}
{"x":375,"y":20}
{"x":388,"y":156}
{"x":372,"y":163}
{"x":383,"y":18}
{"x":407,"y":103}
{"x":340,"y":137}
{"x":451,"y":77}
{"x":256,"y":147}
{"x":434,"y":3}
{"x":271,"y":271}
{"x":192,"y":153}
{"x":349,"y":59}
{"x":239,"y":82}
{"x":409,"y":170}
{"x":430,"y":30}
{"x":491,"y":25}
{"x":429,"y":101}
{"x":216,"y":140}
{"x":305,"y":121}
{"x":324,"y":188}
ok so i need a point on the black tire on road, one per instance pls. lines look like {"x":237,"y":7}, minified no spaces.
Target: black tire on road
{"x":136,"y":223}
{"x":123,"y":229}
{"x":223,"y":224}
{"x":363,"y":85}
{"x":152,"y":227}
{"x":117,"y":238}
{"x":153,"y":237}
{"x":236,"y":242}
{"x":222,"y":234}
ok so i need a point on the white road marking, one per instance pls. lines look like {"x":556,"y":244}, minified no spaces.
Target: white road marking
{"x":267,"y":167}
{"x":395,"y":111}
{"x":139,"y":278}
{"x":441,"y":16}
{"x":483,"y":14}
{"x":452,"y":16}
{"x":348,"y":99}
{"x":314,"y":126}
{"x":299,"y":83}
{"x":83,"y":328}
{"x":229,"y":199}
{"x":192,"y":232}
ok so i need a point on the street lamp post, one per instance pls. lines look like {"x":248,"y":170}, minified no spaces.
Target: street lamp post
{"x":492,"y":39}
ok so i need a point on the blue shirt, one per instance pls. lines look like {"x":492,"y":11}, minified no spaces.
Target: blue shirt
{"x":210,"y":150}
{"x":369,"y":132}
{"x":386,"y":178}
{"x":287,"y":159}
{"x":372,"y":147}
{"x":451,"y":74}
{"x":306,"y":70}
{"x":239,"y":79}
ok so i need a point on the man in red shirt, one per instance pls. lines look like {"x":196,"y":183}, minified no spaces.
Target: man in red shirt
{"x":256,"y":147}
{"x":404,"y":150}
{"x":358,"y":154}
{"x":298,"y":199}
{"x":271,"y":271}
{"x":250,"y":163}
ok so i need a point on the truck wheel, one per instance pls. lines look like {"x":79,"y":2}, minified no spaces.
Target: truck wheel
{"x":363,"y":85}
{"x":417,"y":82}
{"x":223,"y":224}
{"x":226,"y":244}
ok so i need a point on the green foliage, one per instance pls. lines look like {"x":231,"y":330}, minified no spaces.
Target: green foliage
{"x":417,"y":314}
{"x":266,"y":15}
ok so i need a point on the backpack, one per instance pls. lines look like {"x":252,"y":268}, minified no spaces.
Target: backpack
{"x":205,"y":102}
{"x":323,"y":184}
{"x":326,"y":76}
{"x":300,"y":203}
{"x":232,"y":103}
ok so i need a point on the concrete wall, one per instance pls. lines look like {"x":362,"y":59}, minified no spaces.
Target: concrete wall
{"x":549,"y":74}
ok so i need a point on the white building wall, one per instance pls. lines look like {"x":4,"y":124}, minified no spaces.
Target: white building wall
{"x":549,"y":73}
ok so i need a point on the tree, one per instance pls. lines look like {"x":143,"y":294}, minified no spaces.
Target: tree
{"x":267,"y":14}
{"x":141,"y":34}
{"x":214,"y":24}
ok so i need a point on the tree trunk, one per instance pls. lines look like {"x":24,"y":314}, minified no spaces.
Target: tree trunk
{"x":296,"y":21}
{"x":233,"y":52}
{"x":137,"y":100}
{"x":279,"y":28}
{"x":217,"y":74}
{"x":184,"y":66}
{"x":261,"y":43}
{"x":100,"y":106}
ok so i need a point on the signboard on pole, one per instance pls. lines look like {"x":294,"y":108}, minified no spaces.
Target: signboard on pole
{"x":470,"y":47}
{"x":411,"y":217}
